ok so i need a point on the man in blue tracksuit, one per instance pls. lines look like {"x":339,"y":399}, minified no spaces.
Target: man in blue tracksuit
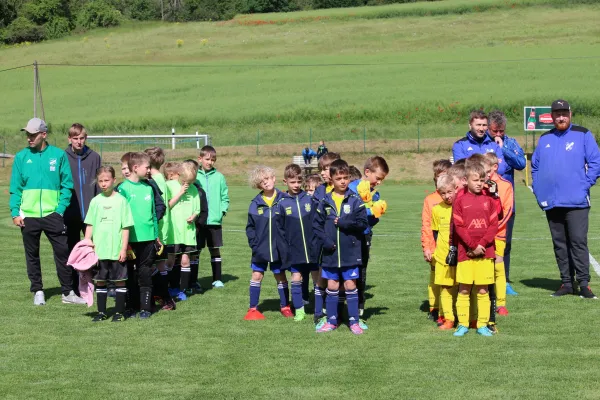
{"x":514,"y":158}
{"x":565,"y":164}
{"x":478,"y":141}
{"x":308,"y":154}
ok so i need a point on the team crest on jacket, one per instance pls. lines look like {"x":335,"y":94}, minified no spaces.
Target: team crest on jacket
{"x":307,"y":207}
{"x":53,"y":164}
{"x":346,"y":208}
{"x":288,"y":211}
{"x":260,"y":211}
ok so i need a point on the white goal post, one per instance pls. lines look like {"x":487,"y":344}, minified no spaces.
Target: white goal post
{"x":205,"y":139}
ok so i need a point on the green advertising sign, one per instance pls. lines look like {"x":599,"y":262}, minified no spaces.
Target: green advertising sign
{"x":537,"y":118}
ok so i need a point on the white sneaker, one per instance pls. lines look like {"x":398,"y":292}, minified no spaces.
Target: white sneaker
{"x":72,"y":298}
{"x":39,"y":299}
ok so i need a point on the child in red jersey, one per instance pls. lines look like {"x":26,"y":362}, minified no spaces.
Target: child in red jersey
{"x":475,"y":218}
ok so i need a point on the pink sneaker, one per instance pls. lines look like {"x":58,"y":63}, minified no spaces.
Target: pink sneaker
{"x":356,"y":329}
{"x":327,"y":327}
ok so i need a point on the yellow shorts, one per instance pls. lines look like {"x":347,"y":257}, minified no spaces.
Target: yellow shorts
{"x":478,"y":271}
{"x":500,"y":247}
{"x":445,"y":275}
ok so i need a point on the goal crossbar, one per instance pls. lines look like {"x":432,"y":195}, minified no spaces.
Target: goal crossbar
{"x":198,"y":137}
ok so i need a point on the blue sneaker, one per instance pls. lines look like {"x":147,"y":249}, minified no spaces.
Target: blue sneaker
{"x":218,"y":284}
{"x":173,"y":292}
{"x":510,"y":291}
{"x":484,"y":331}
{"x":145,"y":314}
{"x":461,"y":331}
{"x":181,"y":296}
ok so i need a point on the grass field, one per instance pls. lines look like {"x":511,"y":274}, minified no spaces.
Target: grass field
{"x":546,"y":347}
{"x":336,"y":75}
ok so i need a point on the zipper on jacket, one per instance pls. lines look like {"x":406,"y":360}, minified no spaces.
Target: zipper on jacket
{"x":302,"y":229}
{"x":80,"y":187}
{"x":270,"y":243}
{"x":41,"y":173}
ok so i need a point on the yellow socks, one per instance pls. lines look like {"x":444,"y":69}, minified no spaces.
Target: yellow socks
{"x":446,"y":302}
{"x":433,"y":292}
{"x":500,"y":276}
{"x":483,"y":309}
{"x":462,"y":309}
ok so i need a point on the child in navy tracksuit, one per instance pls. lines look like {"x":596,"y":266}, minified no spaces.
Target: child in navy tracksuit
{"x":296,"y":215}
{"x":266,"y":241}
{"x":339,"y":225}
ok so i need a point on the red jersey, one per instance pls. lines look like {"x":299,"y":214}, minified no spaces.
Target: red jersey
{"x":475,"y":223}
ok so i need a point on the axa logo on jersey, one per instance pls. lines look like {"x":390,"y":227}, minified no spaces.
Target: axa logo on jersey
{"x":478,"y":223}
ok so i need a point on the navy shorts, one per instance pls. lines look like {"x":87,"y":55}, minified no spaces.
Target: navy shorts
{"x":334,"y":273}
{"x":300,"y":268}
{"x":275,"y":267}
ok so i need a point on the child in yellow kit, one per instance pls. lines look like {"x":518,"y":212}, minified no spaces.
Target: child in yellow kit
{"x":445,"y":275}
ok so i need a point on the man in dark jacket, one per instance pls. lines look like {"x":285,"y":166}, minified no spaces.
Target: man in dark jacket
{"x":83,"y":162}
{"x":564,"y":166}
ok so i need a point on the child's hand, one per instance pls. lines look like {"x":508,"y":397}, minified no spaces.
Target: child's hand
{"x":184,"y":187}
{"x":123,"y":255}
{"x":191,"y":219}
{"x":427,"y":255}
{"x":335,"y":221}
{"x":364,"y":191}
{"x":379,"y":208}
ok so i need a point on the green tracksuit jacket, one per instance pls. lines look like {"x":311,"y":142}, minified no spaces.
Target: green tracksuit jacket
{"x":217,"y":194}
{"x":40,"y":183}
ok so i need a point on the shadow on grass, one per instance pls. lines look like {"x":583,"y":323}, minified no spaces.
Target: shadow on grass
{"x":542,"y":283}
{"x":424,"y":307}
{"x":206,"y":282}
{"x":49,"y":293}
{"x":369,"y":312}
{"x":269,"y":305}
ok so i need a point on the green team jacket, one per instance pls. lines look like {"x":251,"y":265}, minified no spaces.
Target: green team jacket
{"x":40,"y":183}
{"x":217,"y":194}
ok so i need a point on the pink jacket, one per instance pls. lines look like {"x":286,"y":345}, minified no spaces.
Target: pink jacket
{"x":83,"y":258}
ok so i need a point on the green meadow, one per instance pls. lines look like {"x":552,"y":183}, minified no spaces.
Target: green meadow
{"x":389,"y":71}
{"x":545,"y":348}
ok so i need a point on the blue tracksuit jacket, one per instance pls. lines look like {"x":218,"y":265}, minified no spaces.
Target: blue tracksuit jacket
{"x":264,"y":236}
{"x":514,"y":158}
{"x":296,"y":215}
{"x":371,"y":218}
{"x":341,"y":244}
{"x":466,"y":146}
{"x":558,"y":168}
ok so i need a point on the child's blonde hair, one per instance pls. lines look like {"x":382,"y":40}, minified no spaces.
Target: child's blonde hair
{"x":188,"y":172}
{"x":171,"y":168}
{"x":445,"y":181}
{"x":312,"y":179}
{"x":457,"y":170}
{"x":258,"y":174}
{"x":490,"y":159}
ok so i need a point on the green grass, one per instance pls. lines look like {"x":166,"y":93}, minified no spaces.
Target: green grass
{"x":231,"y":86}
{"x":546,"y":347}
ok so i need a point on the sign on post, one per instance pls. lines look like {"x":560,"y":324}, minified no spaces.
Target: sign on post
{"x":537,"y":118}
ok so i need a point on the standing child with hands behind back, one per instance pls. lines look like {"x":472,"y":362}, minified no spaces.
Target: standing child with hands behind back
{"x":108,"y":221}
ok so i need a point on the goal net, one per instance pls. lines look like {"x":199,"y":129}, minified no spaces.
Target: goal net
{"x":177,"y":147}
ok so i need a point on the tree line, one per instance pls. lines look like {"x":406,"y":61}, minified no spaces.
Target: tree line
{"x":35,"y":20}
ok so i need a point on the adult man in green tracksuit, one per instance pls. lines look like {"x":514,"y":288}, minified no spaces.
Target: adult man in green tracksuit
{"x":217,"y":195}
{"x":40,"y":191}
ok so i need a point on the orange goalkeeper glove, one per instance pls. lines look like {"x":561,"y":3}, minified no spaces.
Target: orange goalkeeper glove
{"x":364,"y":191}
{"x":379,"y":208}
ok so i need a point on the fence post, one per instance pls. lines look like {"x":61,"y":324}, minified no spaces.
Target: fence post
{"x":257,"y":140}
{"x":173,"y":140}
{"x":525,"y":141}
{"x":418,"y":138}
{"x":364,"y":139}
{"x":4,"y":151}
{"x":197,"y":141}
{"x":310,"y":139}
{"x":101,"y":145}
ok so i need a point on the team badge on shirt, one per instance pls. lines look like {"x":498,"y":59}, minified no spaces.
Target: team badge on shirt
{"x":307,"y":207}
{"x":346,"y":208}
{"x":53,"y":164}
{"x":261,"y":211}
{"x":288,"y":210}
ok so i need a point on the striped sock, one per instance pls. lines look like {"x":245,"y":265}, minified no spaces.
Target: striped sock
{"x":101,"y":296}
{"x":215,"y":264}
{"x":120,"y":300}
{"x":284,"y":294}
{"x":185,"y":278}
{"x":352,"y":301}
{"x":254,"y":293}
{"x":318,"y":301}
{"x":332,"y":304}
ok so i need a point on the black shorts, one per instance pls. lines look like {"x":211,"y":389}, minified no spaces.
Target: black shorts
{"x":210,"y":236}
{"x":110,"y":270}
